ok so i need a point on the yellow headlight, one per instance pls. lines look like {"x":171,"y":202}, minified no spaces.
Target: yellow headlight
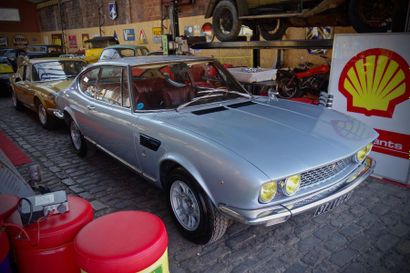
{"x":361,"y":155}
{"x":369,"y":147}
{"x":292,"y":184}
{"x":268,"y":191}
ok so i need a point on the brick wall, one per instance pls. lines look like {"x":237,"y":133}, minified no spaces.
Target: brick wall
{"x":85,"y":13}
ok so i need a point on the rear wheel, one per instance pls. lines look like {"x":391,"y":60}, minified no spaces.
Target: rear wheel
{"x":77,"y":139}
{"x":288,"y":86}
{"x":273,"y":29}
{"x":16,"y":103}
{"x":194,"y":214}
{"x":225,"y":22}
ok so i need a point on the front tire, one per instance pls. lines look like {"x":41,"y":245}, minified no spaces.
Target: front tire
{"x":45,"y":119}
{"x":77,"y":139}
{"x":196,"y":217}
{"x":225,"y":22}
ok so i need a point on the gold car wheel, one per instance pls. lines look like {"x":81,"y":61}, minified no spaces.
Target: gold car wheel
{"x":14,"y":99}
{"x":42,"y":114}
{"x":16,"y":103}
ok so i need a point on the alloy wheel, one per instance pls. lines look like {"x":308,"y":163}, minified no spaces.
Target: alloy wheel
{"x":185,"y":205}
{"x":42,"y":114}
{"x":75,"y":135}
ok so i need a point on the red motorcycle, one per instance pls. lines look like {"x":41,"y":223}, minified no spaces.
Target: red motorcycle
{"x":305,"y":78}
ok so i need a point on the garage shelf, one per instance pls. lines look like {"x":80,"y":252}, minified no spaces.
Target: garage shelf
{"x":279,"y":44}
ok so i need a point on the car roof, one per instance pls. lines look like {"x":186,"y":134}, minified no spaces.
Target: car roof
{"x":146,"y":60}
{"x":44,"y":60}
{"x":101,"y":38}
{"x":125,"y":46}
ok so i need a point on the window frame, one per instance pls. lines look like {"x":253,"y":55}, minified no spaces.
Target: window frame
{"x":120,"y":84}
{"x":100,"y":68}
{"x":27,"y":73}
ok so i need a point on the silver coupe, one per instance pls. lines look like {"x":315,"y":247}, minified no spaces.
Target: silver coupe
{"x":185,"y":124}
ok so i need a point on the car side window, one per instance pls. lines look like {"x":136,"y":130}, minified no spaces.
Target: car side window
{"x":88,"y":82}
{"x":109,"y":85}
{"x":109,"y":54}
{"x":144,"y":51}
{"x":126,"y":52}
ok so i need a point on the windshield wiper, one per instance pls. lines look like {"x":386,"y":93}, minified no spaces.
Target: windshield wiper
{"x":211,"y":94}
{"x":211,"y":91}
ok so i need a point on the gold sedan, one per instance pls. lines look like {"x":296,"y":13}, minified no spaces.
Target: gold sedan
{"x":37,"y":81}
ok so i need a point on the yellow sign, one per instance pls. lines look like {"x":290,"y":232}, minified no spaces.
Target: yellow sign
{"x":156,"y":31}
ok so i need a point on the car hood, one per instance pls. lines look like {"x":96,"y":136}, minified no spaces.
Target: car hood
{"x":5,"y":69}
{"x":55,"y":86}
{"x":281,"y":137}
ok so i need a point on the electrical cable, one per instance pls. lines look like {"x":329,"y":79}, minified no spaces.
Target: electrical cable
{"x":38,"y":227}
{"x":288,"y":211}
{"x":31,"y":208}
{"x":22,"y":230}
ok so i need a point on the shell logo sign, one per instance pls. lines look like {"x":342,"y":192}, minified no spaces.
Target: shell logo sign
{"x":374,"y":82}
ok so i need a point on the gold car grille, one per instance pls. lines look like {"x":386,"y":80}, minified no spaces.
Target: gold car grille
{"x":318,"y":175}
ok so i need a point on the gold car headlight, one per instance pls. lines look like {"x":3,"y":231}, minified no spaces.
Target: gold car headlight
{"x":291,"y":184}
{"x":361,"y":155}
{"x":268,"y":192}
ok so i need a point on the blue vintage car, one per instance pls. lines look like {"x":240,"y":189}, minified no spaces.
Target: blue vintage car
{"x":185,"y":124}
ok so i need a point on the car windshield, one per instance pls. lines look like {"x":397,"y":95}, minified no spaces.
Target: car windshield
{"x":180,"y":84}
{"x":100,"y":43}
{"x":37,"y":49}
{"x":4,"y":61}
{"x":56,"y":70}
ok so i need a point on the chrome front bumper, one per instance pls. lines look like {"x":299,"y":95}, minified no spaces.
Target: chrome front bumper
{"x":280,"y":213}
{"x":58,"y":113}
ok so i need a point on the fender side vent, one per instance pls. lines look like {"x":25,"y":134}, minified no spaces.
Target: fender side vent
{"x":242,"y":104}
{"x":149,"y":142}
{"x":208,"y":111}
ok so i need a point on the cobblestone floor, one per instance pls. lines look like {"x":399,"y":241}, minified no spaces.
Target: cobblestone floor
{"x":371,"y":233}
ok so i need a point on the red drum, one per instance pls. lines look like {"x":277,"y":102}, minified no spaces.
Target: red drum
{"x":123,"y":242}
{"x":49,"y":248}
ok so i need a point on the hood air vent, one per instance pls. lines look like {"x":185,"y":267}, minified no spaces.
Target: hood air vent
{"x":210,"y":110}
{"x":242,"y":104}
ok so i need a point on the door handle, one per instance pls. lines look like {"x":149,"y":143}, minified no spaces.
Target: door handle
{"x":91,"y":107}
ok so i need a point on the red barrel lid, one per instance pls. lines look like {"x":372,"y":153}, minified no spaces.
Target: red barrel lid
{"x":126,"y":241}
{"x":8,"y":204}
{"x":4,"y":246}
{"x":56,"y":230}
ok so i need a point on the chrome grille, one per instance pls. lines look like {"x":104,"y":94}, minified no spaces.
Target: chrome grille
{"x":317,"y":175}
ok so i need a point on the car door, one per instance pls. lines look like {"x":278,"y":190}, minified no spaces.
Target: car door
{"x":109,"y":120}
